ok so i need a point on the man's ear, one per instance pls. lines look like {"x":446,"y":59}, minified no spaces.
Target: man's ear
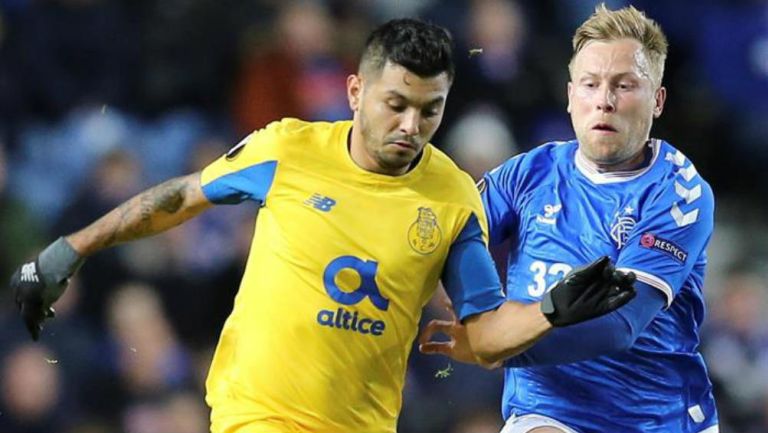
{"x":354,"y":91}
{"x":661,"y":96}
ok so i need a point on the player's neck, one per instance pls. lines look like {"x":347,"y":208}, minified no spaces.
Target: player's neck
{"x":639,"y":160}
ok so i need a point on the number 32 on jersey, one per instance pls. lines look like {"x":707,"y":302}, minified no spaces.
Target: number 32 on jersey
{"x":542,"y":273}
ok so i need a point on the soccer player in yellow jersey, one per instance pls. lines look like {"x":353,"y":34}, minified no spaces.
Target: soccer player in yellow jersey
{"x":359,"y":221}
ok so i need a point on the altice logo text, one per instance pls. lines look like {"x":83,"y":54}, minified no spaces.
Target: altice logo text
{"x":343,"y":319}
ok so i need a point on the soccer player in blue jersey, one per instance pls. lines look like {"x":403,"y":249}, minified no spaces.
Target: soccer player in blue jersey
{"x":613,"y":191}
{"x":359,"y":220}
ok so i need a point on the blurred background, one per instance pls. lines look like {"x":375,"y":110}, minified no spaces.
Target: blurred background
{"x":100,"y":99}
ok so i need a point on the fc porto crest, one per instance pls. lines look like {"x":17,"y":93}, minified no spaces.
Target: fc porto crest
{"x":623,"y":224}
{"x":424,"y":235}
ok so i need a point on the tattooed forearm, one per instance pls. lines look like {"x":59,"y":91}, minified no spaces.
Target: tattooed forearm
{"x":137,"y":215}
{"x":167,"y":197}
{"x":151,"y":212}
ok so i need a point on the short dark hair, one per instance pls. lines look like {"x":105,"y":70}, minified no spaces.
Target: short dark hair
{"x":422,"y":48}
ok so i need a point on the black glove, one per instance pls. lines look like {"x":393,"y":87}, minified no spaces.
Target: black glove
{"x":588,"y":292}
{"x":38,"y":284}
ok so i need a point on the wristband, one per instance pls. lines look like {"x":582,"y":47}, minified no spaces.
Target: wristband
{"x":59,"y":261}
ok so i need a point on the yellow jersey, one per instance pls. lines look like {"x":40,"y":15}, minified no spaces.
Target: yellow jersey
{"x":341,"y":264}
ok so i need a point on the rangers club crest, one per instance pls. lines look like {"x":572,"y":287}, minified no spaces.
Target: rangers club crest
{"x":424,"y":235}
{"x":622,"y":226}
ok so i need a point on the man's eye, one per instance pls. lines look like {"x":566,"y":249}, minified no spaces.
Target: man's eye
{"x":397,"y":108}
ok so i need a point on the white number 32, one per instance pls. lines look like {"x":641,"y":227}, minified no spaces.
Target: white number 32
{"x":540,"y":271}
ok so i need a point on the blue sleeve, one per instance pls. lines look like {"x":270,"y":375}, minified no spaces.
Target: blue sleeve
{"x":249,"y":183}
{"x":497,"y":189}
{"x":672,"y":235}
{"x":469,"y":275}
{"x":608,"y":334}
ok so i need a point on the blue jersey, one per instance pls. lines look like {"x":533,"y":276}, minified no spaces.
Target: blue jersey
{"x":559,"y":212}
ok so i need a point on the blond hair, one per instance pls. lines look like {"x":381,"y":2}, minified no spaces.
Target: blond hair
{"x":625,"y":23}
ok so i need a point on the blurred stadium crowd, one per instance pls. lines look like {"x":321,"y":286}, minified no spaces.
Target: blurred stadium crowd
{"x":102,"y":98}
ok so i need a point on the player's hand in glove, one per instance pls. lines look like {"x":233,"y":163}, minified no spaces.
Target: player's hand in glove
{"x":588,"y":292}
{"x":39,"y":283}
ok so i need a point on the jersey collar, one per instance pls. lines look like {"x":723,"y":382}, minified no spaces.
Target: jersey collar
{"x":590,"y":171}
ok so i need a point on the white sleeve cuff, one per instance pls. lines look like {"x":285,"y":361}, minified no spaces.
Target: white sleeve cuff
{"x":653,"y":281}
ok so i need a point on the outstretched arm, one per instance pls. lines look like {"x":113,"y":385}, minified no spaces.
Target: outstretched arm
{"x":605,"y":335}
{"x":492,"y":329}
{"x":153,"y":211}
{"x":511,"y":329}
{"x":39,"y":283}
{"x":585,"y":293}
{"x":615,"y":332}
{"x":525,"y":325}
{"x":496,"y":330}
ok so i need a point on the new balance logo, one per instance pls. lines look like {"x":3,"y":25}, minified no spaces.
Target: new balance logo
{"x":29,"y":273}
{"x":320,"y":202}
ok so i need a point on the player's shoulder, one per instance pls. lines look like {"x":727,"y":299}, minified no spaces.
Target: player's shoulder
{"x":444,"y":171}
{"x":673,"y":159}
{"x":297,"y":129}
{"x":447,"y":183}
{"x":532,"y":166}
{"x":291,"y":138}
{"x":543,"y":155}
{"x":679,"y":187}
{"x":677,"y":171}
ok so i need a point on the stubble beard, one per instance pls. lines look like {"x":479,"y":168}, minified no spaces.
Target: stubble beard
{"x":375,"y":147}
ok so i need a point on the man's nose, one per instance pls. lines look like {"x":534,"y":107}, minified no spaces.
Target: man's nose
{"x":409,"y":122}
{"x":606,"y":100}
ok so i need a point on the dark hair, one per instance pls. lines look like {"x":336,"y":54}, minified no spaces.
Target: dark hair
{"x":422,"y":48}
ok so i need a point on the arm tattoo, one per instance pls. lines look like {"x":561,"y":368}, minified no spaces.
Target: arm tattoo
{"x":167,"y":197}
{"x":150,"y":212}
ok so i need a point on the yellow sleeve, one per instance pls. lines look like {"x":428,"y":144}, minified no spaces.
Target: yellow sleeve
{"x":246,"y":171}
